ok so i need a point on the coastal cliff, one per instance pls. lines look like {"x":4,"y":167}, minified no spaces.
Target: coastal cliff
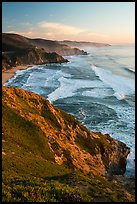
{"x":29,"y":56}
{"x":19,"y":50}
{"x":42,"y":141}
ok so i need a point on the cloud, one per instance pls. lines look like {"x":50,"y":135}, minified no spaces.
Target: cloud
{"x":58,"y":31}
{"x":60,"y":28}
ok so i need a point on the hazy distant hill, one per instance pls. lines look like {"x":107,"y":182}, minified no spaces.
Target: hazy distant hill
{"x":83,"y":44}
{"x":55,"y":46}
{"x":12,"y":42}
{"x":47,"y":155}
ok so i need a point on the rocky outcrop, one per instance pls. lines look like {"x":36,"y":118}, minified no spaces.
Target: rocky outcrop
{"x":69,"y":141}
{"x":29,"y":56}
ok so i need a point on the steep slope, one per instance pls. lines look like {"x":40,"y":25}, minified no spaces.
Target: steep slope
{"x":70,"y":142}
{"x":43,"y":143}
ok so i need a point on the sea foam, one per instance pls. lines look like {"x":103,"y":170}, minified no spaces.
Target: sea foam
{"x":69,"y":87}
{"x":122,"y":86}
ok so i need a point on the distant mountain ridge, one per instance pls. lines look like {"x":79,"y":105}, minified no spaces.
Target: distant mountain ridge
{"x":56,"y":46}
{"x":83,"y":44}
{"x":12,"y":42}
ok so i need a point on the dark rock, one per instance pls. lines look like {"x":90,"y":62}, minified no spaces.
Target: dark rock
{"x":29,"y":56}
{"x":119,"y":160}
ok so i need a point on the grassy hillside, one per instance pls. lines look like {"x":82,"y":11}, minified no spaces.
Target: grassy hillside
{"x":25,"y":145}
{"x":38,"y":160}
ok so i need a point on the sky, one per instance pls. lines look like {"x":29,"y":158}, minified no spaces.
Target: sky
{"x":108,"y":22}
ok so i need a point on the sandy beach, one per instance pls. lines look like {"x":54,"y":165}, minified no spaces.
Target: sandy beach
{"x":6,"y":75}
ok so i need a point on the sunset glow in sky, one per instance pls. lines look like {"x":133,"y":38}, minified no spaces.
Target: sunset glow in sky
{"x":110,"y":22}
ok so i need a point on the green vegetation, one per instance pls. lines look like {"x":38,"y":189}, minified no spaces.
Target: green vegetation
{"x":69,"y":161}
{"x":95,"y":186}
{"x":40,"y":190}
{"x":68,"y":118}
{"x":73,"y":187}
{"x":48,"y":115}
{"x":26,"y":106}
{"x":53,"y":57}
{"x":95,"y":146}
{"x":88,"y":144}
{"x":35,"y":101}
{"x":26,"y":148}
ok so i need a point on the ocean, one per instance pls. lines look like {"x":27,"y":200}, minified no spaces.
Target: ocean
{"x":98,"y":89}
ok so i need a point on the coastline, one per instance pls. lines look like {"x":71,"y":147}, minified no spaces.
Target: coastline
{"x":8,"y":74}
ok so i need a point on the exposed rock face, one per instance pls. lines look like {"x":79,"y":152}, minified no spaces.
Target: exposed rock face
{"x":29,"y":56}
{"x":70,"y":142}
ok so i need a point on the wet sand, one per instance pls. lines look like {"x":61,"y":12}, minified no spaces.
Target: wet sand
{"x":6,"y":75}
